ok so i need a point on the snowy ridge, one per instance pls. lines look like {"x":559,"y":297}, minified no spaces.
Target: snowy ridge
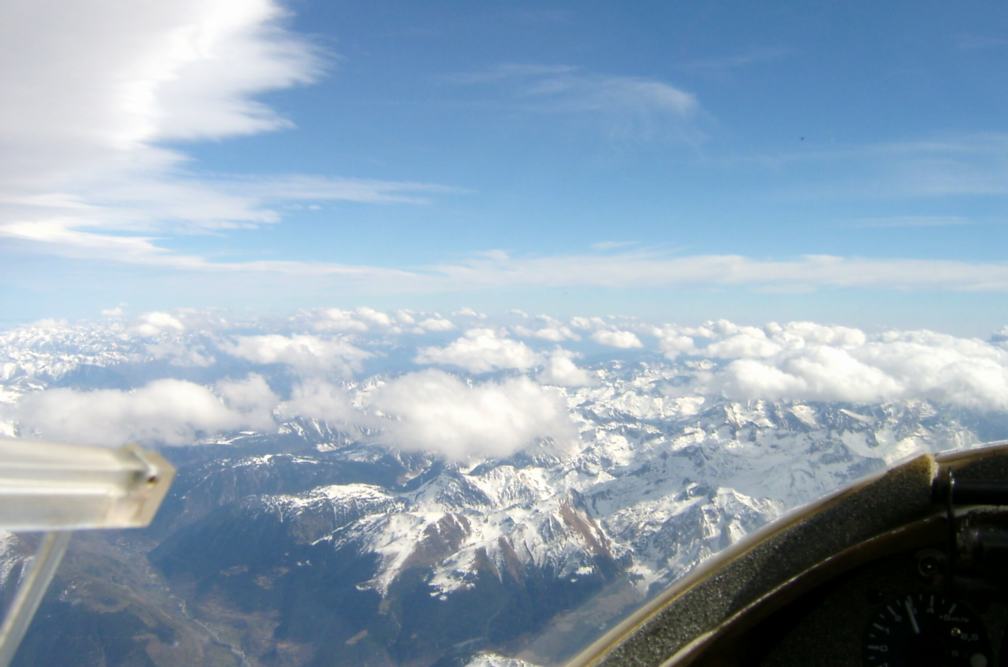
{"x":10,"y":557}
{"x":495,"y":660}
{"x":361,"y":498}
{"x":50,"y":350}
{"x":658,"y":484}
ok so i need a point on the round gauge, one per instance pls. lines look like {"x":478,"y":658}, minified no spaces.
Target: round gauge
{"x":926,"y":629}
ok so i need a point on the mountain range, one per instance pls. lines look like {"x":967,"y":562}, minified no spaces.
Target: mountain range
{"x":318,"y":543}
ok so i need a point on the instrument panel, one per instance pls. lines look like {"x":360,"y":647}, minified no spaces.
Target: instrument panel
{"x":917,"y":628}
{"x":894,"y":612}
{"x":909,"y":567}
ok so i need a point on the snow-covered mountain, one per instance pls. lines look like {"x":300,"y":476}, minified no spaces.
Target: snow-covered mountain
{"x":335,"y":540}
{"x":654,"y":490}
{"x":646,"y":499}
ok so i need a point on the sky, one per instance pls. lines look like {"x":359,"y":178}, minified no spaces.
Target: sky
{"x":839,"y":162}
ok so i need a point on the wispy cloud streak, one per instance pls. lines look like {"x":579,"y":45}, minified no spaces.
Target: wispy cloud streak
{"x":563,"y":88}
{"x":969,"y":165}
{"x":609,"y":270}
{"x":653,"y":270}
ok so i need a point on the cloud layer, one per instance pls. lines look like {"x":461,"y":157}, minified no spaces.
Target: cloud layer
{"x":306,"y":354}
{"x":168,"y":411}
{"x":530,"y":398}
{"x":807,"y":361}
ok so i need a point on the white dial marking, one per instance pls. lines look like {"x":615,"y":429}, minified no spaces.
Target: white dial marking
{"x":913,"y":619}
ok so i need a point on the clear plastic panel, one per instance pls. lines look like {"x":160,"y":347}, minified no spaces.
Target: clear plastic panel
{"x":47,"y":486}
{"x":58,"y":488}
{"x":29,"y":596}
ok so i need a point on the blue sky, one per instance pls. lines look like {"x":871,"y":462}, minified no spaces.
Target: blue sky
{"x":841,"y":162}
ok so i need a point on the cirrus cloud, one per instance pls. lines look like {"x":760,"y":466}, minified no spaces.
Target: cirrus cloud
{"x":86,"y":170}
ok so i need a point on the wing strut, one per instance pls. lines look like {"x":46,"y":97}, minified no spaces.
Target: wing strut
{"x":56,"y":489}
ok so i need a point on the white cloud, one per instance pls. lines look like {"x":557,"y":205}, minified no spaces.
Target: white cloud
{"x":550,"y":333}
{"x":673,"y":341}
{"x":308,"y":355}
{"x":171,"y":412}
{"x":481,"y":351}
{"x":125,"y":226}
{"x":748,"y":342}
{"x":792,"y":360}
{"x":469,"y":312}
{"x":436,"y":324}
{"x":318,"y":399}
{"x":336,"y":319}
{"x":561,"y":371}
{"x":91,"y":96}
{"x":155,"y":323}
{"x":359,"y":320}
{"x":404,"y":316}
{"x":555,"y":334}
{"x":140,"y":74}
{"x":113,"y":313}
{"x":87,"y":171}
{"x":587,"y":323}
{"x":726,"y":340}
{"x":747,"y":379}
{"x":436,"y":412}
{"x":181,"y":353}
{"x":795,"y":334}
{"x":249,"y":396}
{"x":62,"y":234}
{"x":961,"y":371}
{"x":808,"y":361}
{"x":820,"y":373}
{"x":616,"y":338}
{"x":651,"y":269}
{"x":549,"y":328}
{"x":374,"y":317}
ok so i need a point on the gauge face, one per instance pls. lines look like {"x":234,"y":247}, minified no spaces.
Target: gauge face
{"x":926,"y":629}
